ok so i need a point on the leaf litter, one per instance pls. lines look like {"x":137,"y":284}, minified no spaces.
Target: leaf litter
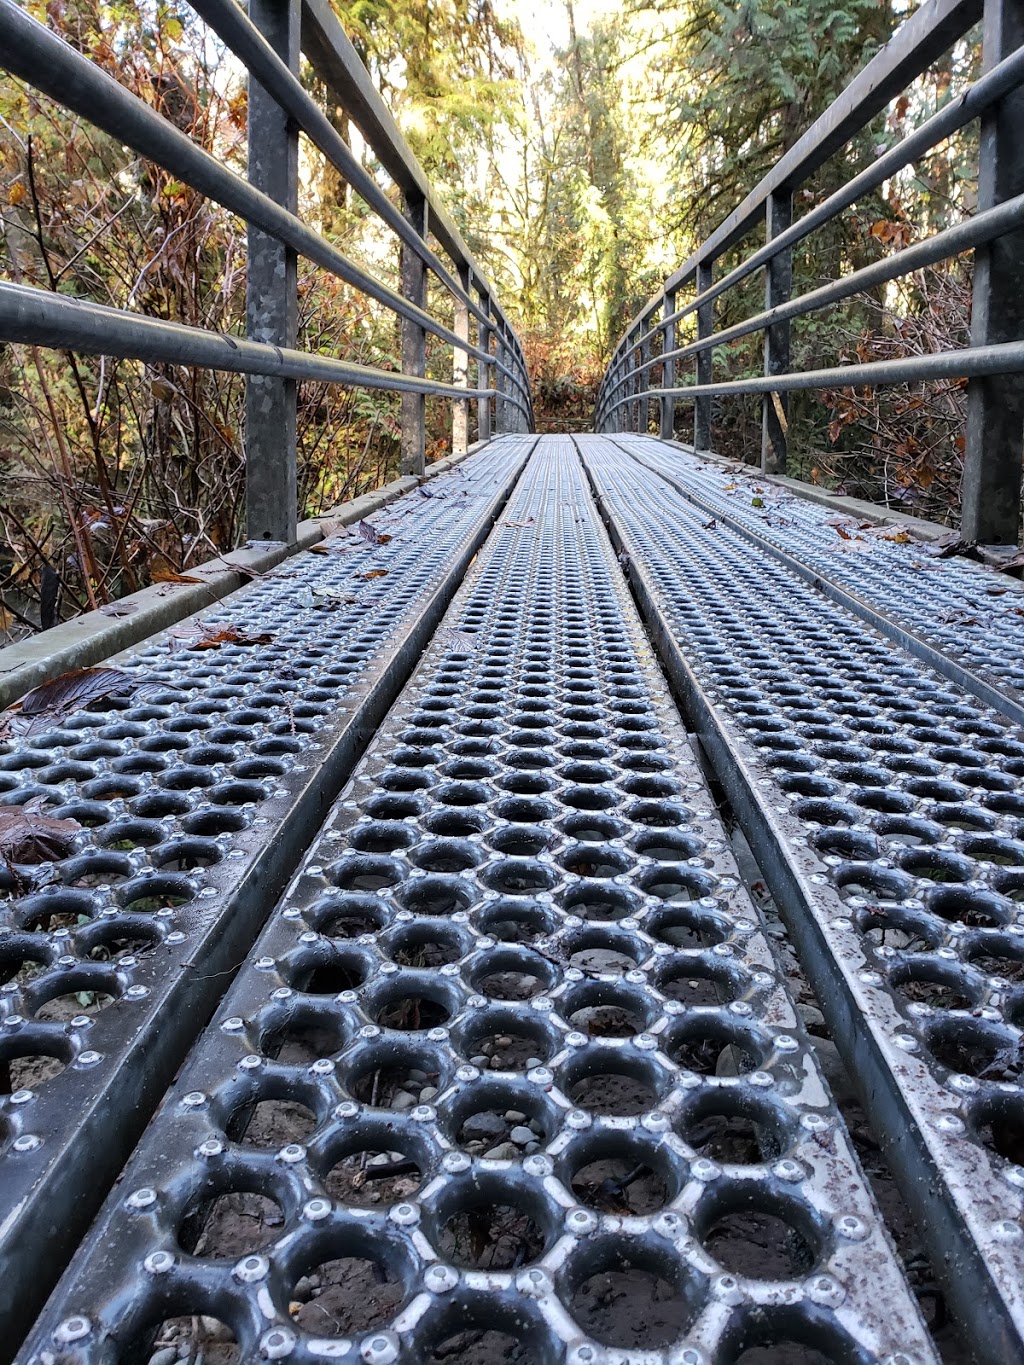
{"x":200,"y":635}
{"x":75,"y":690}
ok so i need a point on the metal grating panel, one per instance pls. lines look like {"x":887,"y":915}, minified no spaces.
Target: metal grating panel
{"x":518,"y":953}
{"x":887,"y":808}
{"x":963,"y":613}
{"x":195,"y":794}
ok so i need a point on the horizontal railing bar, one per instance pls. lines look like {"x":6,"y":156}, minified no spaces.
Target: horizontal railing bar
{"x":31,"y":51}
{"x":37,"y":317}
{"x":241,"y":36}
{"x":990,"y":690}
{"x":912,"y":49}
{"x":985,"y":227}
{"x":1005,"y":358}
{"x":956,"y":115}
{"x":337,"y":63}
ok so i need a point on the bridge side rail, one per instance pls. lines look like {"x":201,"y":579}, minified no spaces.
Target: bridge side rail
{"x":268,"y":43}
{"x":994,"y":361}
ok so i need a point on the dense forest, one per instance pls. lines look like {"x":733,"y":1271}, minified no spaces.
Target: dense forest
{"x":583,"y":156}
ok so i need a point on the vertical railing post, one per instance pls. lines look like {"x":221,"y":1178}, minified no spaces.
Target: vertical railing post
{"x":778,"y":287}
{"x":634,"y":381}
{"x":460,"y":369}
{"x":705,"y":327}
{"x":990,"y":493}
{"x":271,"y":294}
{"x":413,"y":272}
{"x":483,"y":371}
{"x":667,"y":423}
{"x":644,"y":380}
{"x":500,"y":411}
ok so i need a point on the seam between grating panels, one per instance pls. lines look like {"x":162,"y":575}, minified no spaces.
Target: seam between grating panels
{"x":886,"y":808}
{"x":195,"y":797}
{"x":961,"y":647}
{"x":530,"y":827}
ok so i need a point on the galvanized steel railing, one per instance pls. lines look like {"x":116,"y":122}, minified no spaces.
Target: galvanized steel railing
{"x":268,"y":42}
{"x":993,"y":363}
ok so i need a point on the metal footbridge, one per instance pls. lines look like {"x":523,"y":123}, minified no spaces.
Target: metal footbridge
{"x":566,"y":906}
{"x":523,"y":893}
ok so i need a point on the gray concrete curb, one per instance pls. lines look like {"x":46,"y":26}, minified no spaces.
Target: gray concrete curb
{"x":88,"y":639}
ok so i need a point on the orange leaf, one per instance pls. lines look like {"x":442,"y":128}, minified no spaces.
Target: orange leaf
{"x":375,"y":573}
{"x":17,"y":193}
{"x":200,"y":636}
{"x":162,"y":574}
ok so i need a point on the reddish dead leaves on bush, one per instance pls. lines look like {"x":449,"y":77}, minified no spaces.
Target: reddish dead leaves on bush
{"x":200,"y":636}
{"x":73,"y":691}
{"x":29,"y":836}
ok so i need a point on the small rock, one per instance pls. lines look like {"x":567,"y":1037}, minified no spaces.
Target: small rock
{"x":531,"y":1147}
{"x":216,"y":1330}
{"x":427,"y":1093}
{"x":531,"y":1062}
{"x":505,"y":1151}
{"x":484,"y":1127}
{"x":418,"y":1077}
{"x":514,"y":1116}
{"x":480,"y":1060}
{"x":521,"y":1135}
{"x":403,"y":1100}
{"x":814,"y":1020}
{"x":496,"y":1064}
{"x":303,"y":1287}
{"x":167,"y":1356}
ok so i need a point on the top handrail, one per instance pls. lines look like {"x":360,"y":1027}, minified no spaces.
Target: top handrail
{"x":995,"y":360}
{"x":33,"y":52}
{"x":912,"y":49}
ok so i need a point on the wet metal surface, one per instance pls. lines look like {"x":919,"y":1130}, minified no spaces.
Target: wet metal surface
{"x":886,"y":808}
{"x":518,"y":948}
{"x":196,"y":792}
{"x":969,"y":615}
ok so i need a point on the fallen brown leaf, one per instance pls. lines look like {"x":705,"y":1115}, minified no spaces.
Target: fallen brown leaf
{"x":375,"y":573}
{"x":29,"y":836}
{"x":162,"y":575}
{"x":200,"y":636}
{"x":71,"y":691}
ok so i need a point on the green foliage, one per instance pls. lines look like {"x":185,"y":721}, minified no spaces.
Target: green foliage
{"x":445,"y":68}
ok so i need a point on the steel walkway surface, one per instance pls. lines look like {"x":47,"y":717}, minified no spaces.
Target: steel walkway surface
{"x":511,"y":1063}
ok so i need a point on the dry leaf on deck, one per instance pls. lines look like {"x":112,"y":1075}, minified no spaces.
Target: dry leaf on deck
{"x":29,"y":836}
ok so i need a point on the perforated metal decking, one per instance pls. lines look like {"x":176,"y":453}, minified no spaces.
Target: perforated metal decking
{"x":966,"y":623}
{"x":886,"y":808}
{"x":196,"y":791}
{"x":517,"y":992}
